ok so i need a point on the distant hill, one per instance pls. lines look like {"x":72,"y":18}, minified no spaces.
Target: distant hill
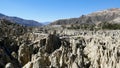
{"x":109,"y":15}
{"x":20,"y":20}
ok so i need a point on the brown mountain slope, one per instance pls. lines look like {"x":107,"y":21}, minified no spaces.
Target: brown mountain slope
{"x":109,"y":15}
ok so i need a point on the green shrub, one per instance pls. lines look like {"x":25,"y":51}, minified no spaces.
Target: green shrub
{"x":110,"y":26}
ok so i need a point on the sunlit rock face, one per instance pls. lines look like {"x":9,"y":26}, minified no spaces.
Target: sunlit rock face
{"x":103,"y":52}
{"x":98,"y":50}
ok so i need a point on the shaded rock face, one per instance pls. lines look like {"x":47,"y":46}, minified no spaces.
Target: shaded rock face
{"x":4,"y":58}
{"x":6,"y":54}
{"x":52,"y":43}
{"x":9,"y":45}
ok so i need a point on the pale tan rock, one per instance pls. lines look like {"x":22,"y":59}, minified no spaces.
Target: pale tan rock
{"x":28,"y":65}
{"x":24,"y":54}
{"x":74,"y":65}
{"x":52,"y":43}
{"x":9,"y":65}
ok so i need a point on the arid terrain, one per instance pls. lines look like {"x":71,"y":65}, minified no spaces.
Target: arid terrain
{"x":63,"y":45}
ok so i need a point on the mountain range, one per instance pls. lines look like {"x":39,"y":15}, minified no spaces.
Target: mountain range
{"x":108,"y":15}
{"x":20,"y":20}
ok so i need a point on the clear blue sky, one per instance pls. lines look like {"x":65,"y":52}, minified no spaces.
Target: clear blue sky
{"x":50,"y":10}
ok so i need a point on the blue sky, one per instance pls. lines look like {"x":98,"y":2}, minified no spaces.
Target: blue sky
{"x":51,"y":10}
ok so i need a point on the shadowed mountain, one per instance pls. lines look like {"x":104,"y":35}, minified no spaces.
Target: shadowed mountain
{"x":20,"y":20}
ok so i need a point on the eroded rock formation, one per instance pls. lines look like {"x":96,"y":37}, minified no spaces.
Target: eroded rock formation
{"x":69,"y":49}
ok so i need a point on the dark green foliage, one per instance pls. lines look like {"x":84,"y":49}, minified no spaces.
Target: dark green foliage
{"x":110,"y":26}
{"x":84,"y":26}
{"x":101,"y":26}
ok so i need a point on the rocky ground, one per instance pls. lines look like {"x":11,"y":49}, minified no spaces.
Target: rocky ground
{"x":59,"y":49}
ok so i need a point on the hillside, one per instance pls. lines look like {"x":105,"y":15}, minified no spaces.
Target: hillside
{"x":20,"y":20}
{"x":109,"y":15}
